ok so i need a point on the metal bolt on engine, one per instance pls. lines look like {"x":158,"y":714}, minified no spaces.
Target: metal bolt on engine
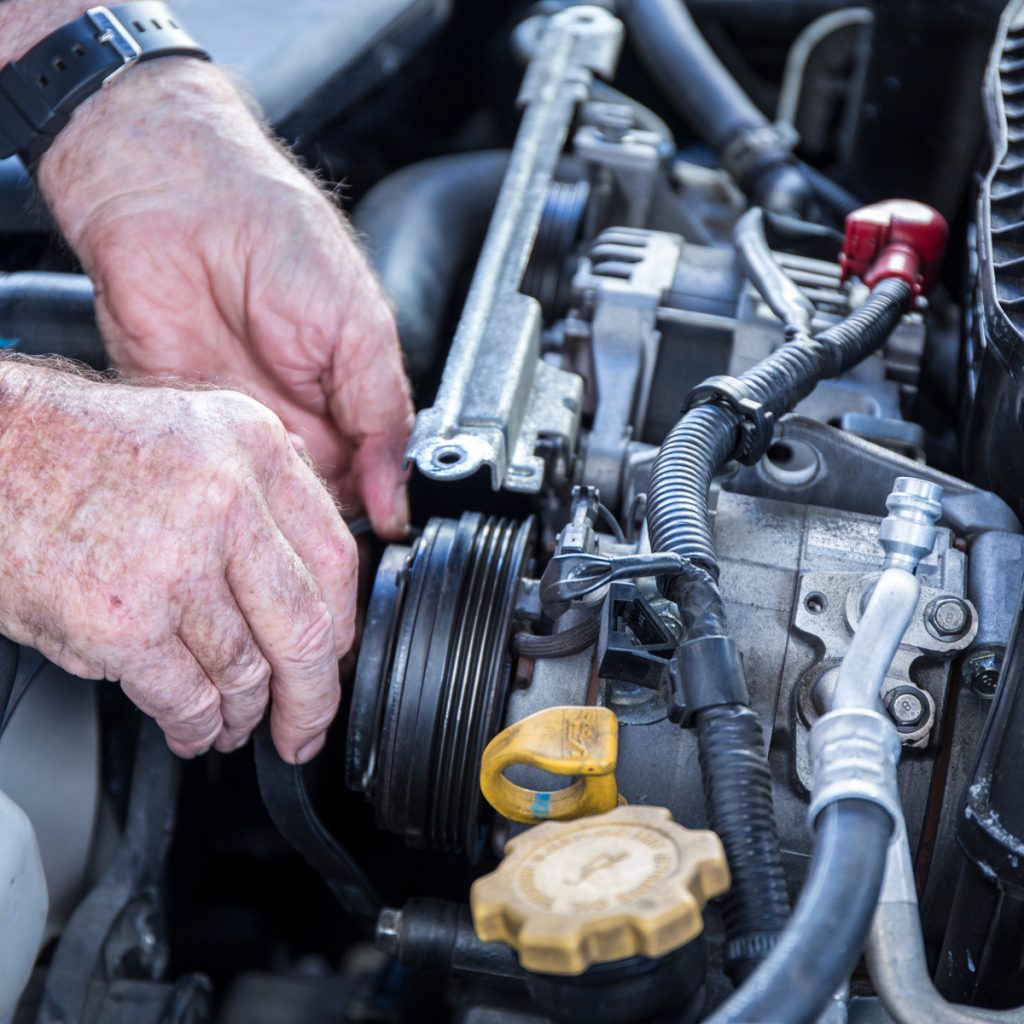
{"x":388,"y":932}
{"x":906,"y":708}
{"x":981,"y":673}
{"x":947,"y":617}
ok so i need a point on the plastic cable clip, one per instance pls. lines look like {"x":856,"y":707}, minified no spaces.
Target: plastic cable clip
{"x":757,"y":424}
{"x":703,"y":673}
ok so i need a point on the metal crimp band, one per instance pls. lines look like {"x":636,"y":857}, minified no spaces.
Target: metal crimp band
{"x":756,"y":423}
{"x":854,"y":753}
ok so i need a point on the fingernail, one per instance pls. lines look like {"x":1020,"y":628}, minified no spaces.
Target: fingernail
{"x":400,"y":510}
{"x":309,"y":750}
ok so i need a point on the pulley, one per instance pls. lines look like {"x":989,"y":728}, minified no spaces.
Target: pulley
{"x":433,"y":674}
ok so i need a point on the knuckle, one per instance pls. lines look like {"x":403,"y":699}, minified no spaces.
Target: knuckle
{"x":315,"y":642}
{"x":312,"y":718}
{"x":249,"y":677}
{"x":199,"y":710}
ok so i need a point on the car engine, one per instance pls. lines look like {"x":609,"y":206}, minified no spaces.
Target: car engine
{"x":697,"y":691}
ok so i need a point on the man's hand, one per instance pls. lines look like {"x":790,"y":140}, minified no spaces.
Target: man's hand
{"x":216,"y":258}
{"x":173,"y":541}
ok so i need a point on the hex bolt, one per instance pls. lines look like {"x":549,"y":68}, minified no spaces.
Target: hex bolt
{"x":981,"y":673}
{"x":948,"y":617}
{"x":907,"y":708}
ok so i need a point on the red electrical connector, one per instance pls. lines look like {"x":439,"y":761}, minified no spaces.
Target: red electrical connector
{"x":895,"y":238}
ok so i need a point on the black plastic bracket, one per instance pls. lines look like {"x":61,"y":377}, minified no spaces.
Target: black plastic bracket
{"x":703,"y":673}
{"x":757,"y":424}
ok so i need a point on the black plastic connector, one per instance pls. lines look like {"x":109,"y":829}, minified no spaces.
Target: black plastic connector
{"x":757,"y":424}
{"x":703,"y":673}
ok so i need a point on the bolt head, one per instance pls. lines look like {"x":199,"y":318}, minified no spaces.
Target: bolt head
{"x":907,"y":709}
{"x":981,"y":673}
{"x":948,"y":617}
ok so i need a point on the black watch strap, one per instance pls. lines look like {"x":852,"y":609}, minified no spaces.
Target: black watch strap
{"x":39,"y":92}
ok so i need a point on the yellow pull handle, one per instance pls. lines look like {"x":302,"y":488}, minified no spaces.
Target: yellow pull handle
{"x":581,"y":741}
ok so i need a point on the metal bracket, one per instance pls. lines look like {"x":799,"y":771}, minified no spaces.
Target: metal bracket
{"x":497,"y":397}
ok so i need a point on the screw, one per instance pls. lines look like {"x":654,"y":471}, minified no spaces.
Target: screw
{"x":981,"y":673}
{"x":907,"y":708}
{"x":948,"y":617}
{"x":612,"y":120}
{"x":388,"y":934}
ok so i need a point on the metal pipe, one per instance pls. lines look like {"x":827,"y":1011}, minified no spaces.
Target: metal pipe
{"x":879,"y":634}
{"x":896,"y":958}
{"x":907,"y":535}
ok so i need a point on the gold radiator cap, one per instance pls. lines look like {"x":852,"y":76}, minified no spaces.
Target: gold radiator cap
{"x":628,"y":882}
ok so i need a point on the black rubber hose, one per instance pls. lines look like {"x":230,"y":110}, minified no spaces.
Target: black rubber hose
{"x":9,"y":653}
{"x":737,"y":788}
{"x":679,"y":58}
{"x":736,"y":777}
{"x":823,"y":941}
{"x":689,"y":71}
{"x":702,"y":441}
{"x":828,"y":192}
{"x":422,"y":225}
{"x":51,"y":314}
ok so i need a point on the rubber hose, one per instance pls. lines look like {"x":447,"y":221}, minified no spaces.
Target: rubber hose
{"x":701,"y":442}
{"x":689,"y":71}
{"x":825,"y":936}
{"x":423,"y":224}
{"x":22,"y":210}
{"x":9,"y":656}
{"x":828,"y":192}
{"x":51,"y":314}
{"x":738,"y":793}
{"x":679,"y":58}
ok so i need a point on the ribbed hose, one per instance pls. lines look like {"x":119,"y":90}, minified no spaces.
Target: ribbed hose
{"x":737,"y":781}
{"x":701,"y":442}
{"x":737,"y":786}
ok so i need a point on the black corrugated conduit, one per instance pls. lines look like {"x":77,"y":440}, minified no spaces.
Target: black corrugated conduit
{"x":734,"y":419}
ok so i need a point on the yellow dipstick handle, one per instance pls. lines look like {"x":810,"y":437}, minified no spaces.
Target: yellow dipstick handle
{"x":581,"y":741}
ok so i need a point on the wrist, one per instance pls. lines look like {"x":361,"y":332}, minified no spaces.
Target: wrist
{"x":140,"y":140}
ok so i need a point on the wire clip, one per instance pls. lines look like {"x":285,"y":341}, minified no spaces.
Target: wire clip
{"x":757,"y":424}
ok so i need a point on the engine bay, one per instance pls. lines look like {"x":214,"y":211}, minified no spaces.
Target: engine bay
{"x":695,"y":692}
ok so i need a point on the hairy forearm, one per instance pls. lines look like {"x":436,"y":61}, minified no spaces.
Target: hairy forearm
{"x":24,"y":22}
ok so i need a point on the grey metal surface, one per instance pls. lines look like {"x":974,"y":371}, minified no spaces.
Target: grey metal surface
{"x":622,"y":285}
{"x":855,"y":475}
{"x":287,"y":53}
{"x":774,"y":556}
{"x":497,"y":397}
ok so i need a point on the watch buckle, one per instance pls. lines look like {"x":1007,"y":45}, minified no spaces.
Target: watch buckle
{"x":112,"y":31}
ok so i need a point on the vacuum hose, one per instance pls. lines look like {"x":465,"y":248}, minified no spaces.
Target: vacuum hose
{"x":695,"y":80}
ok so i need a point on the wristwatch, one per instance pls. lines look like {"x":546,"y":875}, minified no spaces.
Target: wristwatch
{"x":39,"y":92}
